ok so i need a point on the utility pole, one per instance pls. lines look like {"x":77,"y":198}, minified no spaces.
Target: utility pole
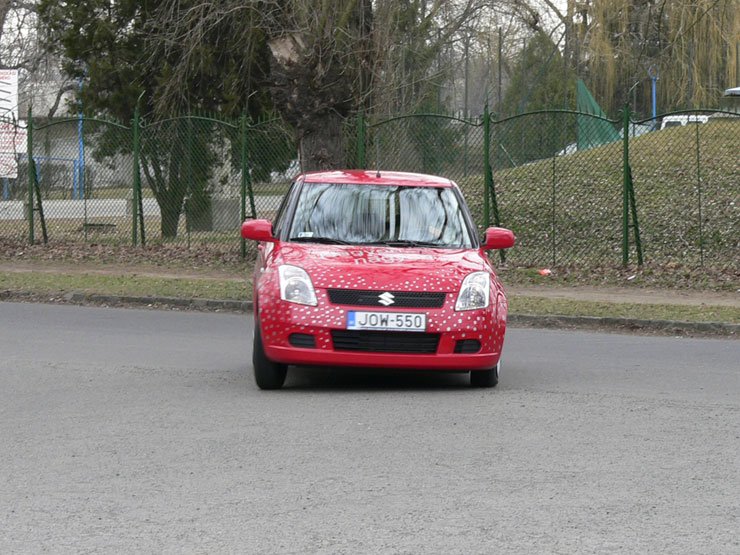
{"x":653,"y":73}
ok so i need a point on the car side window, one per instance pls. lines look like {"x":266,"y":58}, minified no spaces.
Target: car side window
{"x":282,"y":212}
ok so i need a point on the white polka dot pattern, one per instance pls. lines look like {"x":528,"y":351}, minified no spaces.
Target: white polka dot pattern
{"x":333,"y":267}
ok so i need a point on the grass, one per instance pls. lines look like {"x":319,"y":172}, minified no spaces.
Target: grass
{"x":37,"y":283}
{"x":568,"y":209}
{"x":54,"y":285}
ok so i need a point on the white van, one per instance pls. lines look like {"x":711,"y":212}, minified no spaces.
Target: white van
{"x":680,"y":121}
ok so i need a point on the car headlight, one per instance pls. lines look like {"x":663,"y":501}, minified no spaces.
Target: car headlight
{"x":296,"y":286}
{"x":475,"y":292}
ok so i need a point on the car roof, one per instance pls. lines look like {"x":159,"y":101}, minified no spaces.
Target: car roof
{"x":376,"y":177}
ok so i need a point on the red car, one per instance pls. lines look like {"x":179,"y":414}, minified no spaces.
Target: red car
{"x":376,"y":269}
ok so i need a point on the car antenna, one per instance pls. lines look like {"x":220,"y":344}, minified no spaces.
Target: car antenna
{"x":377,"y":173}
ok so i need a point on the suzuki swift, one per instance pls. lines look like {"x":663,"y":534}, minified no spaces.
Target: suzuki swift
{"x":378,"y":270}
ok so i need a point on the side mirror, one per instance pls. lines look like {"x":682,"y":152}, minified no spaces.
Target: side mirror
{"x":498,"y":238}
{"x":258,"y":230}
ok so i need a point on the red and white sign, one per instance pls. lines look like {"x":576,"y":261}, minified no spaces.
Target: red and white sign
{"x":8,"y":166}
{"x":13,"y":137}
{"x":13,"y":141}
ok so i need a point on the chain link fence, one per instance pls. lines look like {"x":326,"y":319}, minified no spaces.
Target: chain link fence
{"x":687,"y":184}
{"x":184,"y":181}
{"x":574,"y":190}
{"x":577,"y":193}
{"x":558,"y":181}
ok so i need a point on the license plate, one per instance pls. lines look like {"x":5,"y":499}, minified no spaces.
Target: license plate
{"x":396,"y":321}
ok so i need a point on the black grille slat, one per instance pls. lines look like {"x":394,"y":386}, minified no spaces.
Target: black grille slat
{"x":402,"y":299}
{"x":385,"y":341}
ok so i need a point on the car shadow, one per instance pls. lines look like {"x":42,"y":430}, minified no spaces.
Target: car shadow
{"x":305,"y":378}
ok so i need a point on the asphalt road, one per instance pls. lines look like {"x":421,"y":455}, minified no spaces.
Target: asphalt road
{"x":142,"y":431}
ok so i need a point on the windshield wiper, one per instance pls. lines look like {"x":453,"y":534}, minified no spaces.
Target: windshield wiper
{"x":406,"y":243}
{"x":324,"y":240}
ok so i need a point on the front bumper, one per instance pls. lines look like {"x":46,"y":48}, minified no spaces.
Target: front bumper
{"x":279,"y":321}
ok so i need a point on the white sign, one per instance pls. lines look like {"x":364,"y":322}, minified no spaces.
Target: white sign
{"x":9,"y":94}
{"x":13,"y":141}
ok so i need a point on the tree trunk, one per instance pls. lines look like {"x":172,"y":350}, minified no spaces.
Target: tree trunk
{"x":324,"y":146}
{"x":172,"y":199}
{"x":170,"y":218}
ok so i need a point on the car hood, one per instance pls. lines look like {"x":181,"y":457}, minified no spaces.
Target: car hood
{"x":388,"y":268}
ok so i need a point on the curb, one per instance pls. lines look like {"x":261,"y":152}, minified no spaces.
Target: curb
{"x":194,"y":304}
{"x":671,"y":327}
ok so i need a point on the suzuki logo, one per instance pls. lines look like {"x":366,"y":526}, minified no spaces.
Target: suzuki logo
{"x":386,"y":299}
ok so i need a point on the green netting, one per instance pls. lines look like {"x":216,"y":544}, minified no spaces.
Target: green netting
{"x":592,"y":132}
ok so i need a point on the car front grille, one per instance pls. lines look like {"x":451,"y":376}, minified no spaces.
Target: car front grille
{"x":385,"y":341}
{"x":400,"y":299}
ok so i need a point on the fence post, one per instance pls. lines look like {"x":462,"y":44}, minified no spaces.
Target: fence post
{"x":246,"y":181}
{"x":489,"y":196}
{"x":137,"y":179}
{"x":488,"y":180}
{"x":628,"y":198}
{"x":553,"y":228}
{"x":188,"y":199}
{"x":243,"y":188}
{"x":698,"y":190}
{"x":625,"y":184}
{"x":31,"y":173}
{"x":361,"y":140}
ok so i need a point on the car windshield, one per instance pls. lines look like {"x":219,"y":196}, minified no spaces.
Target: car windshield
{"x":380,"y":214}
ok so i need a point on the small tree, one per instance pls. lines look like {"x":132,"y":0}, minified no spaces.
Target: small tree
{"x":116,"y":48}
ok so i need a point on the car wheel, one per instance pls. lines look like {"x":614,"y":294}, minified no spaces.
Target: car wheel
{"x":484,"y":378}
{"x":267,"y":374}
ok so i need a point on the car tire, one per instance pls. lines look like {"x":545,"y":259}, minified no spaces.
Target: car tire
{"x":484,"y":378}
{"x":267,"y":373}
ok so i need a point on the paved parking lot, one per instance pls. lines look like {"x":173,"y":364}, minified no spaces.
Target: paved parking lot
{"x":142,"y":430}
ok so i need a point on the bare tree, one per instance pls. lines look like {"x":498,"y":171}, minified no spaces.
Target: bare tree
{"x":328,"y":59}
{"x":41,"y":82}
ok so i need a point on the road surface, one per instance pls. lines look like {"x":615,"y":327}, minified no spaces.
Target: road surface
{"x":142,"y":431}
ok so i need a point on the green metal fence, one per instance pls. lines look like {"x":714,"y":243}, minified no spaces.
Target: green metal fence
{"x":184,"y":181}
{"x":582,"y":190}
{"x":576,"y":188}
